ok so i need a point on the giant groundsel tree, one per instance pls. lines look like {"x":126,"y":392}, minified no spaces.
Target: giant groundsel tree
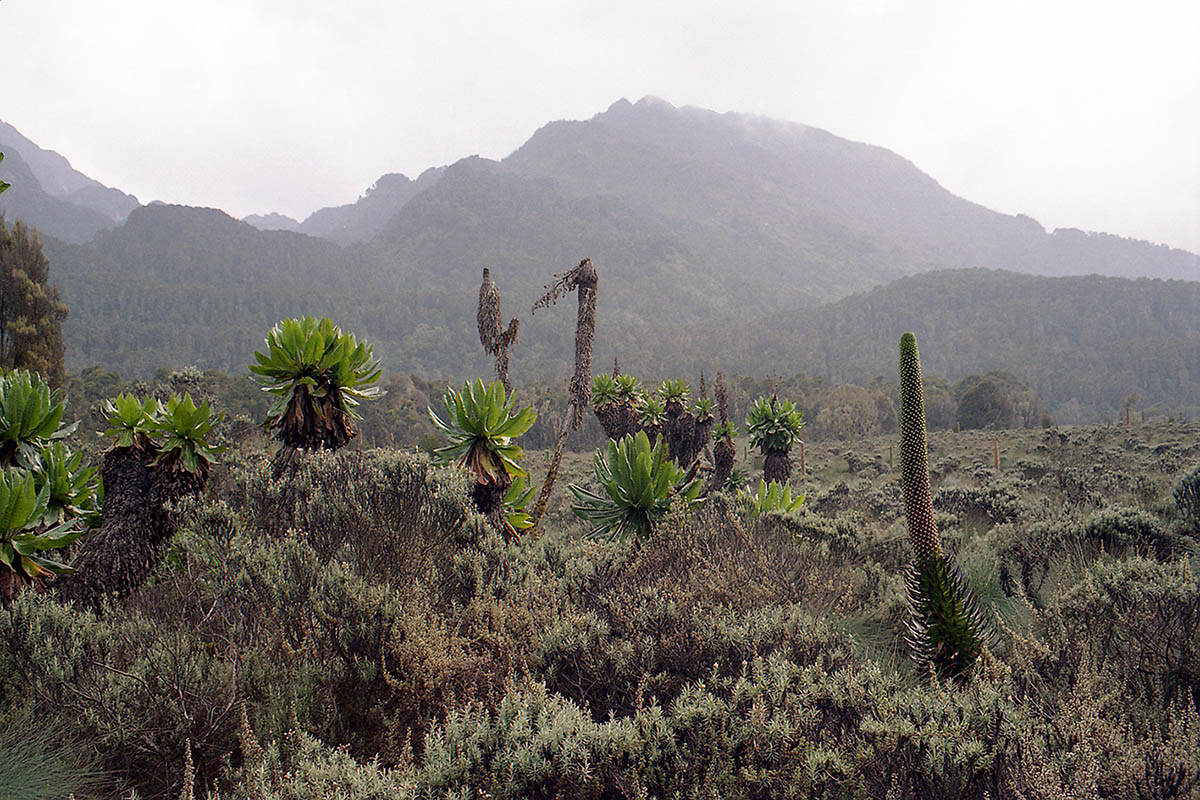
{"x":319,"y":374}
{"x":773,"y":426}
{"x":481,"y":424}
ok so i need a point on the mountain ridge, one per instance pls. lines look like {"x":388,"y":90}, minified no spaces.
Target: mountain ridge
{"x":57,"y":179}
{"x":722,"y":241}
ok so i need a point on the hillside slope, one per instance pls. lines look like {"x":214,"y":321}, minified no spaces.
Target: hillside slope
{"x":59,"y":200}
{"x":718,"y":237}
{"x":1083,"y":343}
{"x":869,"y":212}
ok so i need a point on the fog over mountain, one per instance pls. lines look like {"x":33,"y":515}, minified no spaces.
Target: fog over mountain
{"x":798,"y":201}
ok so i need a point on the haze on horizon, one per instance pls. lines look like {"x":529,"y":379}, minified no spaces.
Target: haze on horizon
{"x":1079,"y":114}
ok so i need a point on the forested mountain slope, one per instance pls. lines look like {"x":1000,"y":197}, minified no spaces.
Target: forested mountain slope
{"x":1083,"y":343}
{"x":861,"y":210}
{"x":153,"y":293}
{"x":718,"y":237}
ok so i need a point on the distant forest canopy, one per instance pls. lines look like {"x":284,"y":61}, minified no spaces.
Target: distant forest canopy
{"x":1083,"y":344}
{"x":177,"y":286}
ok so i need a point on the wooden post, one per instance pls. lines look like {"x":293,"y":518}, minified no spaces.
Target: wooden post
{"x":996,"y":451}
{"x":803,"y":466}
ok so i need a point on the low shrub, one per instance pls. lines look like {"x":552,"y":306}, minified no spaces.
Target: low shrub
{"x":358,"y":630}
{"x":994,"y":503}
{"x":1122,"y":527}
{"x":1187,"y":497}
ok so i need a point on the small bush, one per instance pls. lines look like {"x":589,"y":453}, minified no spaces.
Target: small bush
{"x":994,"y":503}
{"x":1187,"y":497}
{"x":1143,"y":618}
{"x":1121,"y":527}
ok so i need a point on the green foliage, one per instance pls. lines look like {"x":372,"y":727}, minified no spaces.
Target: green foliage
{"x":1120,"y":527}
{"x":771,"y":498}
{"x":604,"y":390}
{"x":638,"y":484}
{"x":723,"y":429}
{"x":74,"y":491}
{"x":183,"y":429}
{"x":385,"y":642}
{"x":652,"y":412}
{"x":1144,"y":619}
{"x":481,"y":425}
{"x":516,"y":499}
{"x":997,"y":503}
{"x":985,"y":406}
{"x":914,"y":454}
{"x":177,"y":430}
{"x":674,"y":391}
{"x":132,"y":422}
{"x":946,"y":626}
{"x":36,"y":764}
{"x":738,"y":480}
{"x":31,"y":313}
{"x":773,"y":424}
{"x":629,"y":389}
{"x":1187,"y":497}
{"x":3,"y":185}
{"x":946,"y":629}
{"x":319,"y":374}
{"x":24,"y":544}
{"x":703,"y":410}
{"x":30,"y":418}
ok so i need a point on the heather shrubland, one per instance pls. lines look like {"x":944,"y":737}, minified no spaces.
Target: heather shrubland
{"x":356,"y":628}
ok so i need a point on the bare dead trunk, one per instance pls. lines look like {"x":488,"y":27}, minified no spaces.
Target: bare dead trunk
{"x":552,"y":472}
{"x":584,"y":281}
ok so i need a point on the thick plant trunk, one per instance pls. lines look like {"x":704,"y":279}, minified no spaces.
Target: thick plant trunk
{"x":618,"y":420}
{"x":777,"y":466}
{"x":489,"y":500}
{"x":11,"y":584}
{"x":682,"y":435}
{"x":307,"y":428}
{"x":630,"y":423}
{"x":723,"y":456}
{"x":703,"y":432}
{"x":613,"y":418}
{"x":126,"y":548}
{"x":653,"y":432}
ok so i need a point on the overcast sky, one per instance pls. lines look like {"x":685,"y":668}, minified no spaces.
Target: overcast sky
{"x":1081,"y":114}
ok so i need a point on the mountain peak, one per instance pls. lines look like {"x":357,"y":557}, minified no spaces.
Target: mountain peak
{"x":651,"y":101}
{"x":649,"y":106}
{"x":65,"y":203}
{"x":618,"y":107}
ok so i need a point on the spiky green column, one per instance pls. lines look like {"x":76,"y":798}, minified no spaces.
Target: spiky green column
{"x":914,"y":455}
{"x":946,"y":629}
